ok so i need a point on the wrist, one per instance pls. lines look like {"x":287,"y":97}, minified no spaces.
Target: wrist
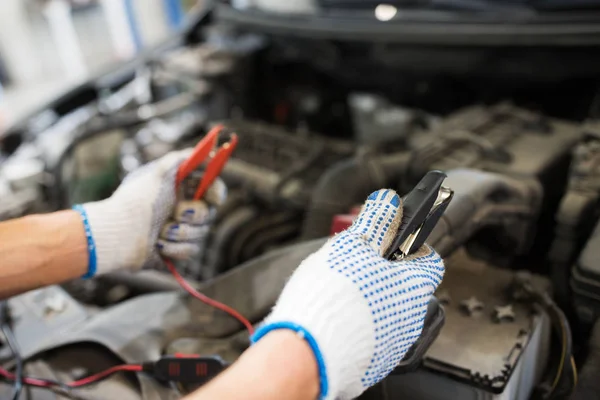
{"x":285,"y":328}
{"x":336,"y":318}
{"x":280,"y":366}
{"x":284,"y":349}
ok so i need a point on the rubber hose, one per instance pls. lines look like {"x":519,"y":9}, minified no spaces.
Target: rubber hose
{"x":347,"y":184}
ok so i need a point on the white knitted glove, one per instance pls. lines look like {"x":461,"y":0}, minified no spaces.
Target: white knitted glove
{"x":359,"y":312}
{"x":123,"y":230}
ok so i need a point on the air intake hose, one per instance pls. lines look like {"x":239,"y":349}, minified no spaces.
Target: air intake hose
{"x":347,"y":184}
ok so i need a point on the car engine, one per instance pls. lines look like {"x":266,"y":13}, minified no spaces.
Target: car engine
{"x":322,"y":122}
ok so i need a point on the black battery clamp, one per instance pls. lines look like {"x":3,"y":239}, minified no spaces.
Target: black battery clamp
{"x":422,"y":209}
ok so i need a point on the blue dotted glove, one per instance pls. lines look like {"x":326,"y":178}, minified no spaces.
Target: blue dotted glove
{"x":359,"y":312}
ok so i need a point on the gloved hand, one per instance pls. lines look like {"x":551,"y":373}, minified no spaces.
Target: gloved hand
{"x":123,"y":231}
{"x":359,"y":312}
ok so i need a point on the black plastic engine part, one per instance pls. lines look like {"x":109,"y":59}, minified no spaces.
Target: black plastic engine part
{"x":347,"y":184}
{"x":585,"y":280}
{"x":577,"y":213}
{"x":434,"y":321}
{"x":501,"y":210}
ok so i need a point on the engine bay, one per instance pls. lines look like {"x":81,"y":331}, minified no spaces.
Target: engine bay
{"x":321,"y":124}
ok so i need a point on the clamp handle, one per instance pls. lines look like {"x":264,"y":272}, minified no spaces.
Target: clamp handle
{"x":422,"y":209}
{"x":213,"y":156}
{"x":434,"y":321}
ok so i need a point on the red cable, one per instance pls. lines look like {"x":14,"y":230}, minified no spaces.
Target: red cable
{"x":104,"y":374}
{"x":136,"y":367}
{"x":78,"y":383}
{"x":207,"y":300}
{"x":218,"y":161}
{"x":29,"y":381}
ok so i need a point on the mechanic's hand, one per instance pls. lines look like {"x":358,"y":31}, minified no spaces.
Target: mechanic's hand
{"x":125,"y":228}
{"x":359,"y":312}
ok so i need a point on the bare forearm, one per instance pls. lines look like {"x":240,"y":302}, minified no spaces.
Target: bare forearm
{"x":279,"y":366}
{"x":41,"y":250}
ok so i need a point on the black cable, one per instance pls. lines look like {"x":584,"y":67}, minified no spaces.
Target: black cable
{"x":298,"y":168}
{"x":563,"y":382}
{"x":69,"y":389}
{"x":56,"y":195}
{"x":11,"y":341}
{"x":563,"y":330}
{"x":60,"y":388}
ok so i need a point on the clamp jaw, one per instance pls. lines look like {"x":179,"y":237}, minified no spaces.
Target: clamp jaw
{"x":422,"y":209}
{"x":210,"y":155}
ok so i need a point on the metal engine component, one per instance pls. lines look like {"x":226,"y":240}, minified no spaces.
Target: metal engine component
{"x":502,"y":138}
{"x":577,"y":213}
{"x":585,"y":280}
{"x":297,"y":161}
{"x":492,"y":214}
{"x":270,"y":177}
{"x":497,"y":351}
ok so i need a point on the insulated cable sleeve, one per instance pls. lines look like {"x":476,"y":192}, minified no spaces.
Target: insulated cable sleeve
{"x":14,"y":348}
{"x":207,"y":300}
{"x":78,"y":383}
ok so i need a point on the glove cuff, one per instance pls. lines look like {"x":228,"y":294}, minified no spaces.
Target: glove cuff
{"x":312,"y":342}
{"x":336,"y":322}
{"x":91,"y":244}
{"x":110,"y":231}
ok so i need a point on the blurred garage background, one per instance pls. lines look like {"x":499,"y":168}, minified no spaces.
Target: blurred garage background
{"x":63,"y":42}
